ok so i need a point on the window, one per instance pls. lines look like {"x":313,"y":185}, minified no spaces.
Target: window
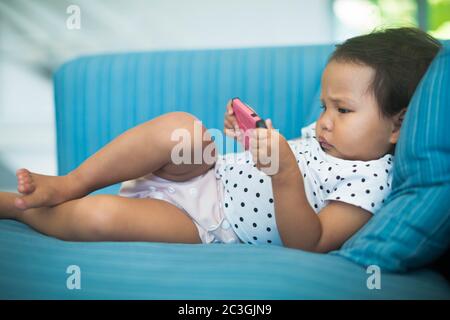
{"x":353,"y":17}
{"x":438,"y":18}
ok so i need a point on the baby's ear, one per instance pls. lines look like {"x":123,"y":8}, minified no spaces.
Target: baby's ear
{"x":398,"y":118}
{"x":397,"y":121}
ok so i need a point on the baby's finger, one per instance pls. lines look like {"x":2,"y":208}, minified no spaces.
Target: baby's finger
{"x":253,"y":133}
{"x":233,"y":121}
{"x":230,"y":132}
{"x":239,"y":136}
{"x":231,"y":118}
{"x":263,"y":150}
{"x":228,"y":124}
{"x":253,"y":139}
{"x":229,"y":108}
{"x":261,"y":133}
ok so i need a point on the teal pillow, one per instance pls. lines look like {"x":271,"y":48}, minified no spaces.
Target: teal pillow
{"x":413,"y":227}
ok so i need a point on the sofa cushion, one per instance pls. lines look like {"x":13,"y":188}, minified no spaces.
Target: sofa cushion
{"x":413,"y":227}
{"x":35,"y":266}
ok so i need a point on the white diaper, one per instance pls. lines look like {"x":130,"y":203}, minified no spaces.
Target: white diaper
{"x":200,"y":197}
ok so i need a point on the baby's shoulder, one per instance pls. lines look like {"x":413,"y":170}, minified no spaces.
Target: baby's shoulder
{"x":374,"y":169}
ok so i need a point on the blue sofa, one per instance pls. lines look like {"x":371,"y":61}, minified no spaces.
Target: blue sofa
{"x":98,"y":97}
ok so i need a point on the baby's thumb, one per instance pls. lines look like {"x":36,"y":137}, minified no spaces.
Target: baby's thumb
{"x":229,"y":109}
{"x":269,"y":124}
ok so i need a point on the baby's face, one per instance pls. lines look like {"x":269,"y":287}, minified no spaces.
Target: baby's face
{"x":351,"y":122}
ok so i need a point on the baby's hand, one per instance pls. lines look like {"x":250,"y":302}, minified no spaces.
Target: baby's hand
{"x":231,"y":127}
{"x":265,"y":148}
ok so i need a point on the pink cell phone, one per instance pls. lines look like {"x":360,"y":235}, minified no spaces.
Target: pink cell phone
{"x":246,"y":118}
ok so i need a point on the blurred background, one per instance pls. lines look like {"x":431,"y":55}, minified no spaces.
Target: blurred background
{"x":38,"y":36}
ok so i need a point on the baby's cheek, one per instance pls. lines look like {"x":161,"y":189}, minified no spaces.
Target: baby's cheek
{"x":364,"y":147}
{"x":348,"y":148}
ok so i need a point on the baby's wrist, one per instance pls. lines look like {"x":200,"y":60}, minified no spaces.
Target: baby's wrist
{"x":287,"y":170}
{"x":288,"y":161}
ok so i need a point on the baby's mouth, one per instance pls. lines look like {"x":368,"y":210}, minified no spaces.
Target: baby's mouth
{"x":324,"y":143}
{"x":325,"y":146}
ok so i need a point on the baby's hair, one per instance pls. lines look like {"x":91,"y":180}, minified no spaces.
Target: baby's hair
{"x":399,"y":56}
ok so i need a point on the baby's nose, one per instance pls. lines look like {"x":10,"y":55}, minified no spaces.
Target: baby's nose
{"x":326,"y":124}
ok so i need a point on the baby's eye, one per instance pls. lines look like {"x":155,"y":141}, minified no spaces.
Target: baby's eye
{"x":322,"y":106}
{"x":343,"y":110}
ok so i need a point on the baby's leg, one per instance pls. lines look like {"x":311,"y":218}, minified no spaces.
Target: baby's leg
{"x":139,"y":151}
{"x":106,"y":218}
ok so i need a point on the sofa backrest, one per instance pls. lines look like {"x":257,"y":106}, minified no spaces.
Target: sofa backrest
{"x":99,"y":97}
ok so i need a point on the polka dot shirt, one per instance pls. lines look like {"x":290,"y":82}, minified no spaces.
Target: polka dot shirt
{"x":248,"y":197}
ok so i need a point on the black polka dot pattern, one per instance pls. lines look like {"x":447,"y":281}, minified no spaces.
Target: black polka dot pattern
{"x":249,"y":200}
{"x":251,"y":211}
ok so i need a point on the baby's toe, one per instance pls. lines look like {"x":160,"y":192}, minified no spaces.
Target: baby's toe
{"x":26,"y":185}
{"x":29,"y":187}
{"x":22,"y":172}
{"x":21,"y":188}
{"x":23,"y":177}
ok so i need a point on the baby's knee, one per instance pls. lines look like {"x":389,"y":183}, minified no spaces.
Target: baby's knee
{"x":182,"y":119}
{"x":197,"y":134}
{"x":96,"y":216}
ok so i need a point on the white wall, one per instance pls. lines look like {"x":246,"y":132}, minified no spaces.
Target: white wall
{"x":34,"y":40}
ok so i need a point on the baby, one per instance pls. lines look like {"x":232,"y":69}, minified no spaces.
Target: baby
{"x":327,"y":184}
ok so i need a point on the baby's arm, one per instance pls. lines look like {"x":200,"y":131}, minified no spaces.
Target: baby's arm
{"x":339,"y":220}
{"x":297,"y":223}
{"x":299,"y":226}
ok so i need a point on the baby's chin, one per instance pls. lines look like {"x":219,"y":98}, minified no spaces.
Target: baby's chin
{"x":333,"y":152}
{"x":328,"y":151}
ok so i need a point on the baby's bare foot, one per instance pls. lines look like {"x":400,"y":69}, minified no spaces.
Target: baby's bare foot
{"x":42,"y":191}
